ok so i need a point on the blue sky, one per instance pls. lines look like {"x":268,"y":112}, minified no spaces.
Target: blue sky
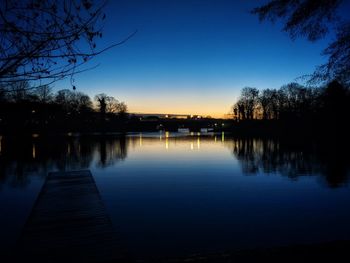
{"x":192,"y":56}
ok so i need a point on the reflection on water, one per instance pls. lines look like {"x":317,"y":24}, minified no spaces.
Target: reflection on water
{"x":292,"y":159}
{"x":20,"y":157}
{"x":183,"y":193}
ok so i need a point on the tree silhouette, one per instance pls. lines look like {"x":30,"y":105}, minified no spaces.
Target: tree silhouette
{"x":84,"y":102}
{"x":294,"y":109}
{"x":267,"y":100}
{"x":247,"y":103}
{"x":43,"y":41}
{"x":313,"y":20}
{"x":63,"y":98}
{"x":18,"y":91}
{"x":44,"y":94}
{"x":335,"y":102}
{"x":102,"y":104}
{"x":73,"y":102}
{"x":109,"y":104}
{"x":122,"y":109}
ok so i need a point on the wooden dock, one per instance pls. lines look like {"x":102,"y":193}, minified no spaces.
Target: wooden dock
{"x":69,"y":223}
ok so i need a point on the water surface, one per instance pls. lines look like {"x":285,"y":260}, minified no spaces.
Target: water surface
{"x":172,"y":194}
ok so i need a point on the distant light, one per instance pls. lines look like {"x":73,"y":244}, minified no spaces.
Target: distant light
{"x":33,"y":151}
{"x":140,"y":139}
{"x":166,"y":116}
{"x":166,"y":143}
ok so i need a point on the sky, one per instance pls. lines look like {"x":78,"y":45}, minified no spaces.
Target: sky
{"x":192,"y":56}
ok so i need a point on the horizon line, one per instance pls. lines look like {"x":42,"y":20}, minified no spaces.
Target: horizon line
{"x":224,"y":116}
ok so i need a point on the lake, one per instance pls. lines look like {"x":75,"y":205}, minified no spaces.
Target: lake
{"x":173,"y":194}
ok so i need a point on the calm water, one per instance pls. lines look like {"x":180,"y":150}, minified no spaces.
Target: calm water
{"x":171,"y":194}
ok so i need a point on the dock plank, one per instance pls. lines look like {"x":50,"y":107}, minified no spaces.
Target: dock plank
{"x":69,"y":223}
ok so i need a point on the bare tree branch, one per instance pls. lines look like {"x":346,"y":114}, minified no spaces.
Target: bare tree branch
{"x":314,"y":19}
{"x":48,"y":39}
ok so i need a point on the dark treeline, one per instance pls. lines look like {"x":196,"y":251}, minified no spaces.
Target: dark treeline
{"x":293,"y":109}
{"x":26,"y":109}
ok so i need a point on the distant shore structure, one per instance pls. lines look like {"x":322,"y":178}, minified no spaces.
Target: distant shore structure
{"x":169,"y":116}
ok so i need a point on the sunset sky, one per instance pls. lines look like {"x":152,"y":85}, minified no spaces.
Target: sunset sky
{"x":192,"y":56}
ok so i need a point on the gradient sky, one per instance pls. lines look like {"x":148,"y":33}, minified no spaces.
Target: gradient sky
{"x":192,"y":56}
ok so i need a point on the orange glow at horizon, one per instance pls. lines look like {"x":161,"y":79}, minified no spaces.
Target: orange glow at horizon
{"x":178,"y":101}
{"x":215,"y":112}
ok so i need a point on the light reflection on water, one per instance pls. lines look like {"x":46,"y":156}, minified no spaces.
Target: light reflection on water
{"x":186,"y":193}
